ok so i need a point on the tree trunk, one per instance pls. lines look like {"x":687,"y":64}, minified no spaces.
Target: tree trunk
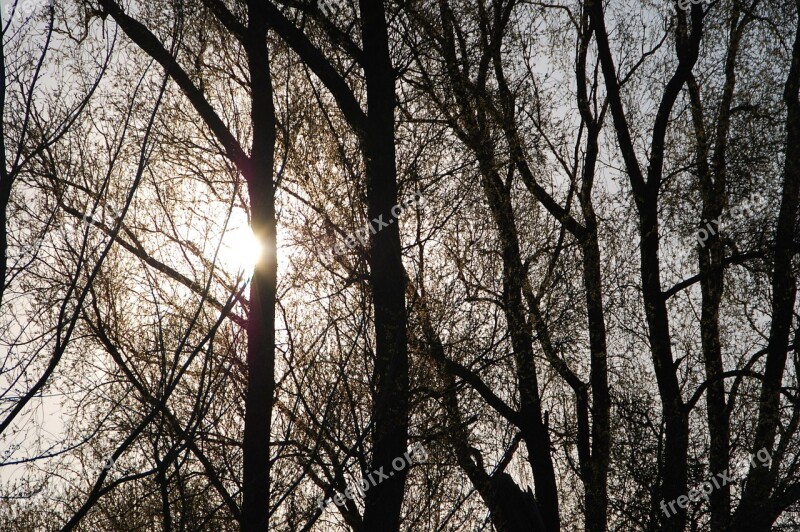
{"x":534,"y":430}
{"x":711,"y":256}
{"x":596,"y":485}
{"x":646,"y":194}
{"x":5,"y":193}
{"x":261,"y":318}
{"x":755,"y":510}
{"x":387,"y":277}
{"x":511,"y":508}
{"x":6,"y":180}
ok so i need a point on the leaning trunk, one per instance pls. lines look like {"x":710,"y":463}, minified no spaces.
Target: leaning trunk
{"x":532,"y":425}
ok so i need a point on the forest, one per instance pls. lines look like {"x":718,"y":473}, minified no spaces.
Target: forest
{"x":400,"y":265}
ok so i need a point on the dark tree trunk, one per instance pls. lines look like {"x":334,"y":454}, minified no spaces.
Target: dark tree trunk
{"x":755,"y":511}
{"x":596,"y":485}
{"x":511,"y":508}
{"x":520,"y":511}
{"x":646,"y":194}
{"x":261,"y":318}
{"x":676,"y":419}
{"x":257,"y":171}
{"x":474,"y":131}
{"x":713,"y":185}
{"x":534,"y":430}
{"x":5,"y":180}
{"x":387,"y":276}
{"x":5,"y":193}
{"x":712,"y":286}
{"x":595,"y":472}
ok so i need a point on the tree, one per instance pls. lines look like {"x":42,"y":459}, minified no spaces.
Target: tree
{"x":260,"y":253}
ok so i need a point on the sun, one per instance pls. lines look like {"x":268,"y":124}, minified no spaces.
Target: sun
{"x":243,"y":248}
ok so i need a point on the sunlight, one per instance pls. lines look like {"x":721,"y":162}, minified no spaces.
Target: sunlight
{"x":244,"y":249}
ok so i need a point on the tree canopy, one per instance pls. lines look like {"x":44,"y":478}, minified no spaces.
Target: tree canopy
{"x":426,"y":265}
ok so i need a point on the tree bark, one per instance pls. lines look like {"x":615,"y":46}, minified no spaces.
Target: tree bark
{"x":646,"y":194}
{"x":511,"y":508}
{"x":596,"y":475}
{"x":5,"y":194}
{"x":387,"y":276}
{"x":261,"y":317}
{"x":534,"y":430}
{"x":257,"y":170}
{"x":5,"y":179}
{"x":755,"y":509}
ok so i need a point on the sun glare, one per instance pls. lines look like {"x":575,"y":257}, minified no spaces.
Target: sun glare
{"x":244,"y":248}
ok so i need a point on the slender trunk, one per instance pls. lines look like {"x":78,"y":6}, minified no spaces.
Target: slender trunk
{"x":710,"y":263}
{"x":387,"y":276}
{"x":163,"y":489}
{"x":597,"y":483}
{"x":5,"y":193}
{"x":646,"y":193}
{"x":712,"y":281}
{"x":596,"y":470}
{"x":711,"y":255}
{"x":511,"y":508}
{"x":258,"y":172}
{"x":712,"y":286}
{"x":676,"y":419}
{"x":535,"y":432}
{"x":5,"y":179}
{"x":261,"y":317}
{"x":755,"y":510}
